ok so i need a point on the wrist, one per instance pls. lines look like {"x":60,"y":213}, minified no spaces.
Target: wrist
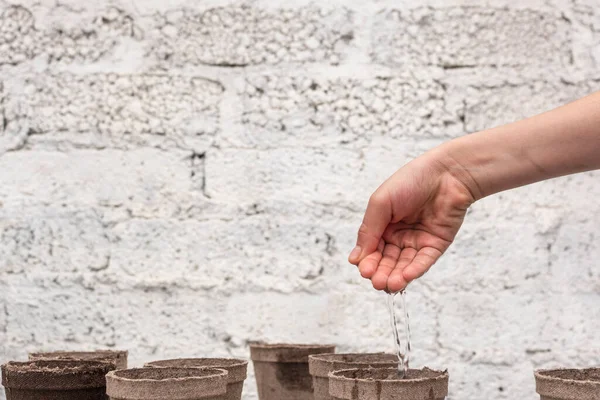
{"x":489,"y":162}
{"x":451,"y":160}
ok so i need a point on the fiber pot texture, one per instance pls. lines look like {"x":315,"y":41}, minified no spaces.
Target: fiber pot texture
{"x":119,"y":358}
{"x":55,"y":380}
{"x":384,"y":384}
{"x":321,"y":365}
{"x":568,"y":384}
{"x":281,"y":370}
{"x":167,"y":384}
{"x":236,"y":371}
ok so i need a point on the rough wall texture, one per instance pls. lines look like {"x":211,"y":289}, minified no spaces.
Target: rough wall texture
{"x":178,"y":178}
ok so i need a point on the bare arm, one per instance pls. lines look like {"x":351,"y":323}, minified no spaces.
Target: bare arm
{"x":560,"y":142}
{"x":413,"y":217}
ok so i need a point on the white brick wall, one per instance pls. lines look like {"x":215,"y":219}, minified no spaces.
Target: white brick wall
{"x":177,"y":178}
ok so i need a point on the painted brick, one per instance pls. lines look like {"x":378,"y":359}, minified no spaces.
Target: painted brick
{"x":143,"y":183}
{"x":454,"y":37}
{"x":300,"y":111}
{"x":300,"y":175}
{"x":209,"y":254}
{"x":70,"y":39}
{"x":121,"y":110}
{"x":51,"y":240}
{"x":487,"y":107}
{"x":239,"y":35}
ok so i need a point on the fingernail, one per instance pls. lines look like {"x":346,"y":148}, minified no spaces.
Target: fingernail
{"x":355,"y":253}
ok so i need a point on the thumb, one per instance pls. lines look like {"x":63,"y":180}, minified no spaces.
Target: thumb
{"x":376,"y":219}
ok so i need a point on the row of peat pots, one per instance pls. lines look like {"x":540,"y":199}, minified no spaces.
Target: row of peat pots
{"x":283,"y":372}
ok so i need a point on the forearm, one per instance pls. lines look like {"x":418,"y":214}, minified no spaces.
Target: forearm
{"x":560,"y":142}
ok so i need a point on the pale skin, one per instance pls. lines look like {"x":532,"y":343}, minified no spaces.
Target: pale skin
{"x":414,"y":216}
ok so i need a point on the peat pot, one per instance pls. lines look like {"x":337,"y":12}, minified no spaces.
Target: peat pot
{"x":320,"y":365}
{"x":55,"y":380}
{"x":236,"y":371}
{"x":568,"y":384}
{"x":385,"y":384}
{"x":167,"y":384}
{"x":281,"y":370}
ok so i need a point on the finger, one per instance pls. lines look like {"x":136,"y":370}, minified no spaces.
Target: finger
{"x":391,"y":252}
{"x":396,"y":281}
{"x":377,"y":217}
{"x":368,"y":265}
{"x":424,"y":259}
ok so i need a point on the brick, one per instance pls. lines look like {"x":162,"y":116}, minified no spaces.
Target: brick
{"x":488,"y":256}
{"x":586,"y":25}
{"x":245,"y":35}
{"x":17,"y":43}
{"x":52,"y":240}
{"x":573,"y":238}
{"x":301,"y":111}
{"x":250,"y":254}
{"x":570,"y":327}
{"x":454,"y":37}
{"x":300,"y":175}
{"x":70,"y":39}
{"x":487,"y":107}
{"x":498,"y":335}
{"x":140,"y":183}
{"x":121,"y":110}
{"x":576,"y":242}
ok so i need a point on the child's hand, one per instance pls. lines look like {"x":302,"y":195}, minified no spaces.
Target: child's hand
{"x":410,"y":221}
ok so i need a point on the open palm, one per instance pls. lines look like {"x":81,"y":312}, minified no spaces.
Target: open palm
{"x":409,"y":223}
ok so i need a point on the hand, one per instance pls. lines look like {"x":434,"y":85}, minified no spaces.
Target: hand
{"x":410,"y":221}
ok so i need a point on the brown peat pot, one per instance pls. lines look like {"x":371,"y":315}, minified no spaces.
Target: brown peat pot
{"x":119,"y":358}
{"x":320,"y":365}
{"x":568,"y":384}
{"x":385,"y":384}
{"x":236,"y":371}
{"x":55,"y":380}
{"x":281,"y":370}
{"x":167,"y":384}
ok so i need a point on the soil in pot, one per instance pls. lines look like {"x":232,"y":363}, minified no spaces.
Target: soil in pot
{"x":55,"y":380}
{"x":119,"y":358}
{"x":321,"y":365}
{"x":387,"y":384}
{"x":236,"y":371}
{"x":568,"y":384}
{"x":281,"y":370}
{"x":167,"y":384}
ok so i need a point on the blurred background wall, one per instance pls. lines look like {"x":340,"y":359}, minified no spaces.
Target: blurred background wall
{"x":179,"y":177}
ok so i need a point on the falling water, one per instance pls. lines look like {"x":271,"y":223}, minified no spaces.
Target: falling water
{"x":403,"y":354}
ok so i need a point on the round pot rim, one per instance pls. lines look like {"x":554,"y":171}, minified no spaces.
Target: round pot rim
{"x":236,"y":367}
{"x":37,"y":355}
{"x":59,"y":374}
{"x":334,"y":374}
{"x":542,"y":375}
{"x":322,"y":364}
{"x":208,"y":381}
{"x":286,"y":346}
{"x":47,"y":366}
{"x":566,"y":388}
{"x":434,"y":387}
{"x":286,"y":352}
{"x":212,"y":372}
{"x":235,"y":362}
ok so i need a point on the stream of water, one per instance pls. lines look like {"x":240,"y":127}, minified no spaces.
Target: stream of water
{"x":403,"y":352}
